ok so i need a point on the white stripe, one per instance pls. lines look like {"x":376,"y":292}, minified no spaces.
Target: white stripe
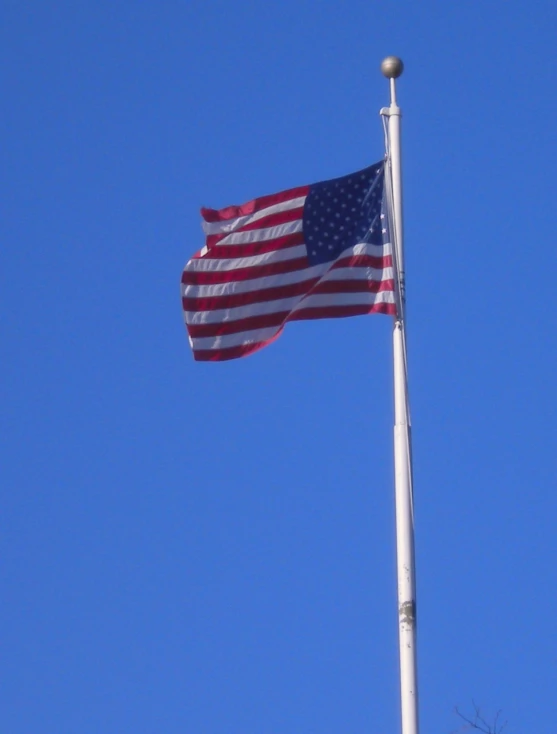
{"x":231,"y":225}
{"x":283,"y":304}
{"x":325,"y":300}
{"x":262,"y":235}
{"x":234,"y":340}
{"x":255,"y":284}
{"x":297,"y":276}
{"x":361,"y":248}
{"x":358,"y":272}
{"x":225,"y":315}
{"x":212,"y":264}
{"x":367,"y":248}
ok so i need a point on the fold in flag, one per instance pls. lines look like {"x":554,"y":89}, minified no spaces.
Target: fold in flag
{"x":312,"y":252}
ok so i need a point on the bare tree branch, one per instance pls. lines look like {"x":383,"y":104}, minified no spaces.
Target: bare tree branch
{"x":478,"y":722}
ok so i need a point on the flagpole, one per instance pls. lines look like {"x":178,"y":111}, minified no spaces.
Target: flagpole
{"x":392,"y":68}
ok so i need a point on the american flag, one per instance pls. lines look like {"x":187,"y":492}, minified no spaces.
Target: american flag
{"x":311,"y":252}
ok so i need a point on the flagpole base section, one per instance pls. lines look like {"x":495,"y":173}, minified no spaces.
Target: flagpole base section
{"x":405,"y":538}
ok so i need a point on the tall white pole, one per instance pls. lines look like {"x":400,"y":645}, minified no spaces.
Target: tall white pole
{"x":392,"y":68}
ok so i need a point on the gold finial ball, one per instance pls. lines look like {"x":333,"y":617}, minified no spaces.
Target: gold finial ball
{"x":392,"y":67}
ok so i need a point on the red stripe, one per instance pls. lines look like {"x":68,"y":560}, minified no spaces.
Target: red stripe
{"x":233,"y":276}
{"x":223,"y":328}
{"x":255,"y":248}
{"x":354,"y":286}
{"x":258,"y":248}
{"x":328,"y":312}
{"x":287,"y":291}
{"x":220,"y":355}
{"x":256,"y":205}
{"x":213,"y":303}
{"x":264,"y":321}
{"x":192,"y":277}
{"x":364,"y":261}
{"x":272,"y":220}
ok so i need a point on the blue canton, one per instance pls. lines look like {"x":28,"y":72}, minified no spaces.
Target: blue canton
{"x":343,"y":212}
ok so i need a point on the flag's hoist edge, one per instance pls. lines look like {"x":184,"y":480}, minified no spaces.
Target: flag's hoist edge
{"x":254,"y":275}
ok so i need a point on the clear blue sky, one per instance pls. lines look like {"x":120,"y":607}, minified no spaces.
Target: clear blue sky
{"x":209,"y":548}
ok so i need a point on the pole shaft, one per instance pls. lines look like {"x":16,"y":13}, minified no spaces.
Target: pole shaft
{"x":404,"y":541}
{"x":402,"y":455}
